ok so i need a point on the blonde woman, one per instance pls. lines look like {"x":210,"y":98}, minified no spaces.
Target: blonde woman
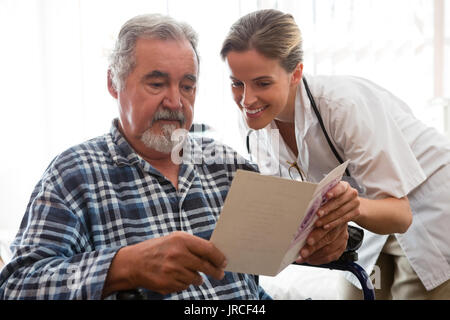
{"x":399,"y":166}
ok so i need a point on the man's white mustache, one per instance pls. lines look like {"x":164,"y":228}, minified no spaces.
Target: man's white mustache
{"x":167,"y":114}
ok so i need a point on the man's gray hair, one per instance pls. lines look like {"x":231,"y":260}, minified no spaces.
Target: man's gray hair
{"x":149,"y":26}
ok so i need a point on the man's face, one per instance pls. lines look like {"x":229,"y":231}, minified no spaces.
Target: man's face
{"x":158,"y":95}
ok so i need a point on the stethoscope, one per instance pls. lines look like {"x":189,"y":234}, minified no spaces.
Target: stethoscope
{"x":347,"y":176}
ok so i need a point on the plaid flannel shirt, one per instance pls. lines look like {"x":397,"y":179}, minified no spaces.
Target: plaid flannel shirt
{"x":100,"y":196}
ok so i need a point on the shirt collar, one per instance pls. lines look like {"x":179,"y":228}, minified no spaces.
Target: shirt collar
{"x":121,"y":151}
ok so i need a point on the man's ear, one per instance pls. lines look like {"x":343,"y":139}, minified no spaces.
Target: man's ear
{"x":297,"y":74}
{"x":112,"y":90}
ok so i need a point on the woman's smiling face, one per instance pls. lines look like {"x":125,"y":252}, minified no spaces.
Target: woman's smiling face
{"x":261,"y":88}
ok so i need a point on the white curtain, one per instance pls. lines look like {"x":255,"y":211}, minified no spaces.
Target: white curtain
{"x":54,"y":57}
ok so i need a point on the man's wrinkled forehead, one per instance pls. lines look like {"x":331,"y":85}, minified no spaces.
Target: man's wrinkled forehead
{"x":160,"y":56}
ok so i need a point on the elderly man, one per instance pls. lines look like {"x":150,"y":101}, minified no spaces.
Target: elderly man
{"x":117,"y":212}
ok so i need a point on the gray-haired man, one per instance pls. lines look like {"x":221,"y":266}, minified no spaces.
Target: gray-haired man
{"x":116,"y":213}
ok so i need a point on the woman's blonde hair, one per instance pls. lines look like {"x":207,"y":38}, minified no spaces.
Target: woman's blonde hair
{"x":272,"y":33}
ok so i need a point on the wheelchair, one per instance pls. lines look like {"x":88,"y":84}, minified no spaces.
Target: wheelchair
{"x":347,"y":262}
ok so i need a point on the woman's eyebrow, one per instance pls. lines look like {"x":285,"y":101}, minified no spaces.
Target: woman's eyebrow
{"x":262,"y":78}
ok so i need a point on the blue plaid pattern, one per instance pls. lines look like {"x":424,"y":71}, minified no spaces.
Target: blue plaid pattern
{"x":99,"y":196}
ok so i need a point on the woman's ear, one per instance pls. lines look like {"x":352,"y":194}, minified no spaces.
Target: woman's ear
{"x":297,"y":74}
{"x":111,"y":88}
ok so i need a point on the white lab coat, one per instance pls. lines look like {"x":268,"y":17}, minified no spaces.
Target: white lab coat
{"x":391,"y":153}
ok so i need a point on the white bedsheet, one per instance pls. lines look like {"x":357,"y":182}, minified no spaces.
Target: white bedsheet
{"x":301,"y":282}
